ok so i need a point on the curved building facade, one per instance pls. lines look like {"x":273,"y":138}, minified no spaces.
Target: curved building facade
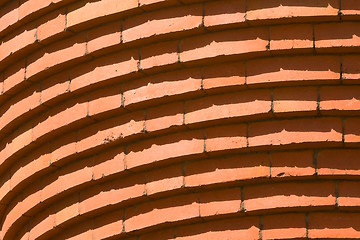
{"x":179,"y":119}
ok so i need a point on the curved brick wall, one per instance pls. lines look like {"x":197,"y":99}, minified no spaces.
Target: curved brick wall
{"x":179,"y":119}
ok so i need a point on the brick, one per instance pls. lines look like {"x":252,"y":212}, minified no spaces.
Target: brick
{"x":350,"y":8}
{"x":32,"y":7}
{"x":82,"y":230}
{"x":102,"y":70}
{"x":111,"y":193}
{"x":221,"y":13}
{"x":288,"y":69}
{"x":161,"y":211}
{"x":222,"y":138}
{"x":284,"y":132}
{"x":292,"y":164}
{"x":104,"y":37}
{"x":348,"y":194}
{"x":54,"y":87}
{"x":229,"y":169}
{"x":234,"y":105}
{"x":344,"y":98}
{"x":66,"y":209}
{"x":159,"y":55}
{"x":164,"y":85}
{"x":12,"y":214}
{"x":164,"y":234}
{"x":289,"y":195}
{"x":164,"y":179}
{"x":351,"y":68}
{"x":104,"y":100}
{"x":110,"y":130}
{"x":228,"y":75}
{"x":334,"y":225}
{"x":339,"y":162}
{"x":352,"y":131}
{"x":155,"y":4}
{"x":31,"y":197}
{"x":21,"y":137}
{"x":43,"y":222}
{"x":286,"y":37}
{"x":179,"y":145}
{"x":108,"y":162}
{"x":239,"y":228}
{"x":164,"y":117}
{"x":285,"y":226}
{"x":108,"y":225}
{"x":14,"y":76}
{"x":263,"y":10}
{"x":227,"y":43}
{"x":220,"y":202}
{"x":56,"y":54}
{"x":82,"y":12}
{"x":9,"y":15}
{"x":52,"y":25}
{"x":295,"y":99}
{"x":63,"y":147}
{"x":5,"y":185}
{"x":161,"y":22}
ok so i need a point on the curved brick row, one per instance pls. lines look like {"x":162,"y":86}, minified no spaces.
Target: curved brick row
{"x":179,"y":119}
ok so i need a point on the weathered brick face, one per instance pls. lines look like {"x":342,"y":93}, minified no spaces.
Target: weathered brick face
{"x":179,"y":119}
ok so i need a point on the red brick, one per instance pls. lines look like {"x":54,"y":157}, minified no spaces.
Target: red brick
{"x":108,"y":162}
{"x":104,"y":69}
{"x":164,"y":179}
{"x":334,"y":225}
{"x":295,"y":99}
{"x":52,"y":25}
{"x":43,"y":222}
{"x":350,"y":8}
{"x":229,"y":137}
{"x":292,"y":164}
{"x":161,"y":211}
{"x":84,"y":11}
{"x":339,"y":162}
{"x":54,"y":86}
{"x":14,"y":76}
{"x":229,"y":75}
{"x":32,"y":7}
{"x":9,"y":14}
{"x":67,"y":209}
{"x":289,"y":195}
{"x":347,"y":35}
{"x":108,"y":225}
{"x":221,"y":13}
{"x":167,"y":234}
{"x":82,"y":230}
{"x":263,"y":9}
{"x":283,"y":132}
{"x":179,"y":145}
{"x":246,"y":228}
{"x":223,"y":170}
{"x":5,"y":185}
{"x":341,"y":98}
{"x":288,"y":69}
{"x":164,"y":116}
{"x":226,"y":43}
{"x":227,"y":106}
{"x":63,"y":147}
{"x":105,"y":99}
{"x":220,"y":202}
{"x":349,"y":195}
{"x":285,"y":37}
{"x":286,"y":226}
{"x":161,"y":22}
{"x":159,"y":55}
{"x":21,"y":137}
{"x":103,"y":37}
{"x":352,"y":130}
{"x":154,"y":4}
{"x":165,"y":85}
{"x":13,"y":213}
{"x":351,"y":68}
{"x":111,"y":193}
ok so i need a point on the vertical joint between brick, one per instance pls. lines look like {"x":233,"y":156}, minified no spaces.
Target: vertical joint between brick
{"x":313,"y":37}
{"x":270,"y":163}
{"x":318,"y":100}
{"x":247,"y":134}
{"x":145,"y":119}
{"x":307,"y":225}
{"x":139,"y":62}
{"x":246,"y":74}
{"x":315,"y":161}
{"x":341,"y":69}
{"x":121,"y":31}
{"x":242,"y":205}
{"x":269,"y":40}
{"x":261,"y":227}
{"x":178,"y":51}
{"x":343,"y":131}
{"x":203,"y":16}
{"x":184,"y":111}
{"x":204,"y":134}
{"x":336,"y":194}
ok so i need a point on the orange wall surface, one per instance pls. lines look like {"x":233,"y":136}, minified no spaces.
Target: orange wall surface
{"x":179,"y":119}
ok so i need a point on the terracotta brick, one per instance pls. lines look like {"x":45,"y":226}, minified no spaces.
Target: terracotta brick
{"x":21,"y":137}
{"x":179,"y":145}
{"x":52,"y":25}
{"x":9,"y":14}
{"x":352,"y":130}
{"x":288,"y":69}
{"x":351,"y":68}
{"x":220,"y":202}
{"x":297,"y":131}
{"x":63,"y":147}
{"x":104,"y":37}
{"x":14,"y":75}
{"x":350,"y":8}
{"x":82,"y":231}
{"x":167,"y":234}
{"x":44,"y":222}
{"x":289,"y":195}
{"x":54,"y":87}
{"x":221,"y":13}
{"x":5,"y":185}
{"x":161,"y":211}
{"x":227,"y":106}
{"x":66,"y":209}
{"x":105,"y":99}
{"x":222,"y":138}
{"x":164,"y":179}
{"x":295,"y":99}
{"x":292,"y":164}
{"x":344,"y":98}
{"x":239,"y":228}
{"x":108,"y":225}
{"x":108,"y":162}
{"x":228,"y":43}
{"x":263,"y":10}
{"x":227,"y":169}
{"x":286,"y":226}
{"x":348,"y":194}
{"x":286,"y":37}
{"x":338,"y":162}
{"x":161,"y":22}
{"x":32,"y":7}
{"x":229,"y":75}
{"x":154,"y":4}
{"x":334,"y":225}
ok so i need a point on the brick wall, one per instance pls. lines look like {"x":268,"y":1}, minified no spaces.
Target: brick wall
{"x":179,"y":119}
